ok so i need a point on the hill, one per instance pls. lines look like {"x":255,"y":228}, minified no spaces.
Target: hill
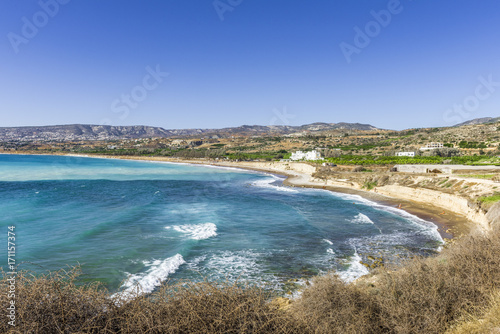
{"x":80,"y":132}
{"x":481,"y":120}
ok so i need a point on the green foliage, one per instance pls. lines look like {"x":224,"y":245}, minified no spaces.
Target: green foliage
{"x":471,"y":144}
{"x":253,"y":156}
{"x":490,"y":199}
{"x":393,"y":160}
{"x":370,"y":185}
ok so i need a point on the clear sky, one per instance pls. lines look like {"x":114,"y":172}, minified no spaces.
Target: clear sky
{"x":211,"y":64}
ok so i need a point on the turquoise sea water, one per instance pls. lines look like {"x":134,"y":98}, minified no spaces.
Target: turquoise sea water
{"x":129,"y":222}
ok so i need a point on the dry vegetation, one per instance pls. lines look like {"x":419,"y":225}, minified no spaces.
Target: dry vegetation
{"x":53,"y":303}
{"x":430,"y":295}
{"x":480,"y":139}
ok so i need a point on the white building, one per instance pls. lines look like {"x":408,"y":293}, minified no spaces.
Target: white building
{"x":431,"y":146}
{"x":405,"y":154}
{"x":299,"y":155}
{"x":313,"y":155}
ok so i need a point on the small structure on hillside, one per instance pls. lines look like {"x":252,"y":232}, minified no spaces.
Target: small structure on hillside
{"x":431,"y":146}
{"x":405,"y":154}
{"x":312,"y":155}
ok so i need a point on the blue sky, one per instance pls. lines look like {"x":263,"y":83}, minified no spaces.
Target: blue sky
{"x":211,"y":64}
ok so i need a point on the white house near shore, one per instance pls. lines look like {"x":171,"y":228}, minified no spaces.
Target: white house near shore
{"x":405,"y":154}
{"x":312,"y":155}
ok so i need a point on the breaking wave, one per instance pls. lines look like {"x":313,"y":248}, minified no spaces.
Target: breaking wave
{"x":361,"y":219}
{"x":355,"y":269}
{"x":269,"y":184}
{"x":196,"y":232}
{"x":146,"y":282}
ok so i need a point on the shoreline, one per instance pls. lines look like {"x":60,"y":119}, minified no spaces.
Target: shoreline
{"x":450,"y":225}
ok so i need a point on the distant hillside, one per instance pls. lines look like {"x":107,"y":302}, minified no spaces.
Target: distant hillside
{"x":77,"y":132}
{"x":482,"y":120}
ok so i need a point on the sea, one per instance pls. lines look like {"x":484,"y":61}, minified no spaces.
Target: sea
{"x":138,"y":224}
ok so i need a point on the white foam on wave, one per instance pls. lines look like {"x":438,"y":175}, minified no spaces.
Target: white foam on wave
{"x":330,"y":251}
{"x":355,"y":270}
{"x":425,"y":226}
{"x":268,"y":183}
{"x":364,"y":219}
{"x":231,"y":266}
{"x":328,"y":241}
{"x":196,"y":232}
{"x":361,"y":219}
{"x":235,"y":263}
{"x":146,"y":282}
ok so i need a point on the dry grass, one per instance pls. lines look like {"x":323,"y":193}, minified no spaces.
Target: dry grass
{"x":331,"y":306}
{"x":457,"y":290}
{"x":488,"y":323}
{"x":54,"y":304}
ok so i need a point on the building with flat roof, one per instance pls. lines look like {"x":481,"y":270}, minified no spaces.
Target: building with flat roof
{"x":431,"y":146}
{"x":312,"y":155}
{"x":405,"y":154}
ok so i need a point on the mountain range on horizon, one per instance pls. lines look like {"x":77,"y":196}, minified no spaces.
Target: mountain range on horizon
{"x":77,"y":132}
{"x":481,"y":120}
{"x":109,"y":132}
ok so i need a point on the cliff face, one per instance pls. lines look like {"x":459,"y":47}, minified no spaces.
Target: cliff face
{"x":493,"y":215}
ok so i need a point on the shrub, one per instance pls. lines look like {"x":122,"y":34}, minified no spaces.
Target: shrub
{"x":332,"y":306}
{"x":422,"y":296}
{"x":53,"y":303}
{"x":369,"y":185}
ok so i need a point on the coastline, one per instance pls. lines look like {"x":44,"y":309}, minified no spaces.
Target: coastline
{"x":298,"y":174}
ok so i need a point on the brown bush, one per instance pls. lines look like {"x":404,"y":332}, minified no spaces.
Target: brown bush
{"x":54,"y":304}
{"x":205,"y":308}
{"x":489,"y":322}
{"x":424,"y":296}
{"x":332,"y":306}
{"x":428,"y":295}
